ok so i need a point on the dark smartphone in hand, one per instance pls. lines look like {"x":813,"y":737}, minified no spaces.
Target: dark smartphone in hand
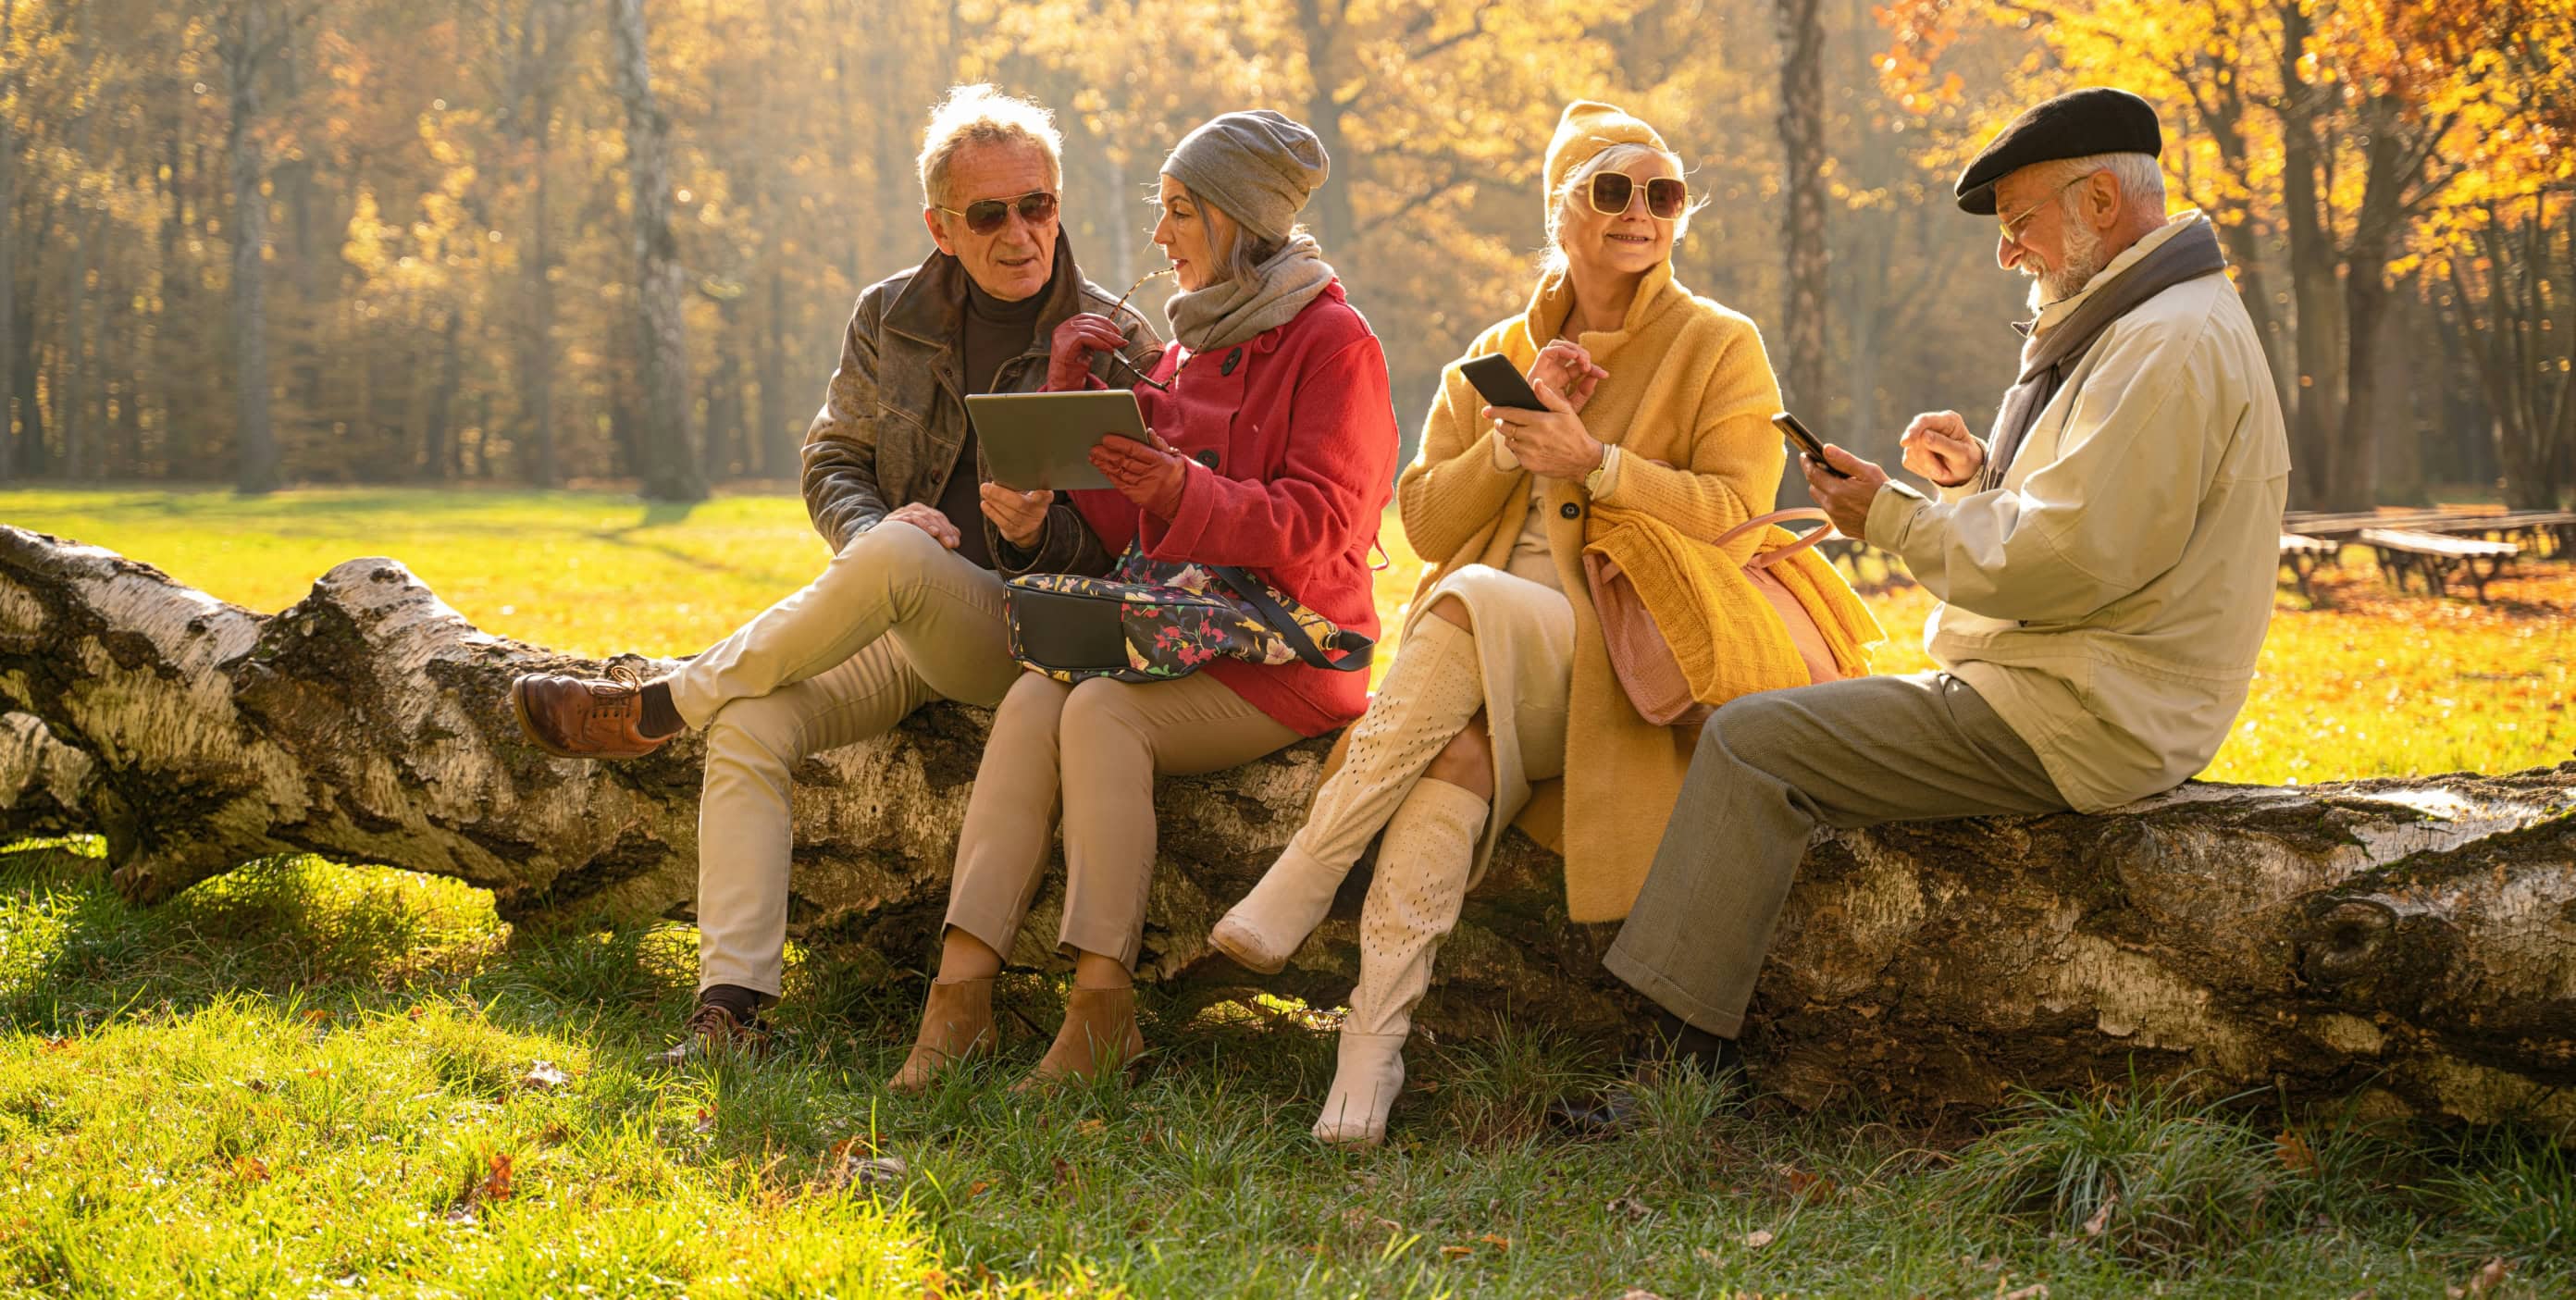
{"x":1501,"y":383}
{"x":1807,"y":442}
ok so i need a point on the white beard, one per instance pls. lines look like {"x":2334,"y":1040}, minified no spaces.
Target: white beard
{"x":2083,"y":260}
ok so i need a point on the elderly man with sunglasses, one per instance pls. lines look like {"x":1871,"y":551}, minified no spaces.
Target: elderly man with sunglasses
{"x":2104,"y":558}
{"x":909,"y":609}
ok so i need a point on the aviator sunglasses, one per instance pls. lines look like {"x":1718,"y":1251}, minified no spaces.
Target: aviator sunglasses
{"x":984,"y":216}
{"x":1665,"y":195}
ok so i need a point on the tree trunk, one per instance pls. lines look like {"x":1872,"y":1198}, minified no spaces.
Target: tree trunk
{"x":254,"y":441}
{"x":1322,"y":22}
{"x":670,"y":456}
{"x":780,"y":433}
{"x":2410,"y":940}
{"x":8,"y":253}
{"x":1802,"y":140}
{"x":2312,"y":276}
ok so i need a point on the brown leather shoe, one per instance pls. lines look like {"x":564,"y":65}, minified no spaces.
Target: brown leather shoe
{"x":1099,"y":1035}
{"x":585,"y":717}
{"x":712,"y":1028}
{"x":956,"y":1027}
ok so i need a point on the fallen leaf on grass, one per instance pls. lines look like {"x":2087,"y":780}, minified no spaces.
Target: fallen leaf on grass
{"x":57,"y":1044}
{"x":2101,"y":1219}
{"x":496,"y":1184}
{"x":706,"y":1120}
{"x":543,"y":1075}
{"x":1758,"y":1238}
{"x":2484,"y":1280}
{"x":1496,"y":1241}
{"x":250,"y":1169}
{"x":1630,"y":1206}
{"x":2035,"y":1291}
{"x":1456,"y":1252}
{"x":979,"y":1187}
{"x":1091,"y":1128}
{"x":1066,"y":1176}
{"x":1638,"y":1293}
{"x":2296,"y":1155}
{"x":1706,"y":1256}
{"x":1804,"y":1186}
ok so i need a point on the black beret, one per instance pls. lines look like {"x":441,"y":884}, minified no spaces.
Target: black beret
{"x":2077,"y":124}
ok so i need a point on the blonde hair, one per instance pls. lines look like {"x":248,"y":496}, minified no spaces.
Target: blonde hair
{"x":1570,"y":191}
{"x":979,"y":114}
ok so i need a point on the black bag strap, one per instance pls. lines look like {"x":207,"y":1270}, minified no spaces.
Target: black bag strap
{"x":1356,"y":649}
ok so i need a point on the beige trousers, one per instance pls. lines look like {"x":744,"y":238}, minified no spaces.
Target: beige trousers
{"x":1093,"y":751}
{"x":895,"y":621}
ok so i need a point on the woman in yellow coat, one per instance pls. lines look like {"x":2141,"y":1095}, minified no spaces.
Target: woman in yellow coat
{"x":1502,"y":704}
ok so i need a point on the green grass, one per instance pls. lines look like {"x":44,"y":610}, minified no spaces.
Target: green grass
{"x":303,"y":1078}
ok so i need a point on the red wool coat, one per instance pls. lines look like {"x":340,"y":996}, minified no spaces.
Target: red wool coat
{"x":1293,"y":443}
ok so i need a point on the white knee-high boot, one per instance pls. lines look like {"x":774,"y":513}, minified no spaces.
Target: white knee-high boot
{"x":1435,"y":687}
{"x":1412,"y":904}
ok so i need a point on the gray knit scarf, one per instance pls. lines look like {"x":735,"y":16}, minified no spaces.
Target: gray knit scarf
{"x":2046,"y":362}
{"x":1222,"y":315}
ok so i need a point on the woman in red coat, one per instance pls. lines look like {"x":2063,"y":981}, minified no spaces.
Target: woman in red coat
{"x":1274,"y":445}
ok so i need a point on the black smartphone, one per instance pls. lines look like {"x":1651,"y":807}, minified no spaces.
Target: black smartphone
{"x":1807,"y":442}
{"x":1501,"y":383}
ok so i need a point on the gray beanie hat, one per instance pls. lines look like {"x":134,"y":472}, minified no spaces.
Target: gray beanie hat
{"x":1258,"y":166}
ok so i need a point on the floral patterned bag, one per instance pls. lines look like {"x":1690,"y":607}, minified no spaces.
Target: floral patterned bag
{"x":1154,"y":620}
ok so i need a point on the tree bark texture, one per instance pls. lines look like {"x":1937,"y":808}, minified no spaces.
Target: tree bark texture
{"x":2412,"y":941}
{"x":670,"y":456}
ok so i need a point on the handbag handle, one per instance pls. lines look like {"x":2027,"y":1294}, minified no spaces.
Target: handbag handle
{"x":1766,"y":559}
{"x":1357,"y":650}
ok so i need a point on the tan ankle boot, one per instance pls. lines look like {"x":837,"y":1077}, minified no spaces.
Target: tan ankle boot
{"x":1099,"y":1035}
{"x":956,"y":1027}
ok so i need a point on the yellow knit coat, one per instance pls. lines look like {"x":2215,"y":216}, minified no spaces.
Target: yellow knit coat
{"x":1689,"y":386}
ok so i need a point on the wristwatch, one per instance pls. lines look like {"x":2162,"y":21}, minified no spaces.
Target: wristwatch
{"x":1601,"y":473}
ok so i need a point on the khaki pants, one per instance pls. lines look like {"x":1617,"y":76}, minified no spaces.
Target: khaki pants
{"x":1092,"y":750}
{"x":895,"y":621}
{"x":1769,"y":769}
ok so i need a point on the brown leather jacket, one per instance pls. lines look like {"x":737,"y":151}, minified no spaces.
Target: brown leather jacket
{"x":895,"y":414}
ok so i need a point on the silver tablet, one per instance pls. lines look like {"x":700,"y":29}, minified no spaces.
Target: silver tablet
{"x":1044,"y":440}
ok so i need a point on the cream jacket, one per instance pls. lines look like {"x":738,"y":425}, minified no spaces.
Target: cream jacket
{"x":2110,"y":598}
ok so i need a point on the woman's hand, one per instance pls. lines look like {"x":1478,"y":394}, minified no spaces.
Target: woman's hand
{"x":1069,"y":357}
{"x":1568,"y":368}
{"x":1150,"y":474}
{"x":1020,"y":517}
{"x":1552,"y":442}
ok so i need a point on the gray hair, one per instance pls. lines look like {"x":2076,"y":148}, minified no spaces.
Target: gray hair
{"x":2142,"y":180}
{"x":1571,"y":190}
{"x":979,"y":114}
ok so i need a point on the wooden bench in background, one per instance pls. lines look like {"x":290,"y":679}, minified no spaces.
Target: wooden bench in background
{"x":2437,"y":558}
{"x":2303,"y":555}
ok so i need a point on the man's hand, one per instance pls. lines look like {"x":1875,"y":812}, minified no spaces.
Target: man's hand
{"x":1845,"y":500}
{"x":1551,"y":442}
{"x":1939,"y":447}
{"x":1019,"y":516}
{"x":926,"y":518}
{"x":1150,"y":474}
{"x":1569,"y":369}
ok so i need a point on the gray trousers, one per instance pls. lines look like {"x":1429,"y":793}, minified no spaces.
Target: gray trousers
{"x":1770,"y":768}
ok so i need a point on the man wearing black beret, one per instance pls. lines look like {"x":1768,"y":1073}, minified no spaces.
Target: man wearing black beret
{"x":2104,"y":557}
